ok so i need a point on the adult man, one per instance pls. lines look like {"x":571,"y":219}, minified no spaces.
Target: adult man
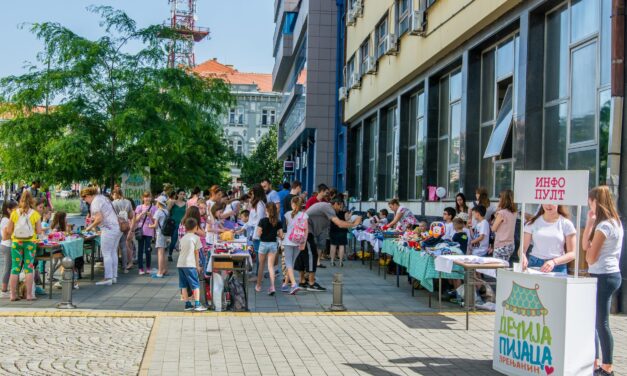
{"x":321,"y":196}
{"x":282,"y":194}
{"x":286,"y":203}
{"x":320,"y":217}
{"x":34,"y":189}
{"x":271,"y":194}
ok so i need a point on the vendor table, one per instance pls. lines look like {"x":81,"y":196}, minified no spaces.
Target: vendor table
{"x":469,"y":294}
{"x":91,"y":246}
{"x":232,"y":262}
{"x":53,"y":253}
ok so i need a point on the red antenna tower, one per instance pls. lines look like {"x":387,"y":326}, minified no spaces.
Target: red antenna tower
{"x":183,"y":23}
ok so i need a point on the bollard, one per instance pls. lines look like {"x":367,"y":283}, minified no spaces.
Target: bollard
{"x":337,"y":293}
{"x":67,"y":284}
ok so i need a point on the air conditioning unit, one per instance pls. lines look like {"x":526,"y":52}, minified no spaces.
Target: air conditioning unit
{"x":358,"y":8}
{"x":355,"y":83}
{"x":418,"y":23}
{"x":342,"y":93}
{"x":371,"y":65}
{"x":350,"y":17}
{"x":391,"y":42}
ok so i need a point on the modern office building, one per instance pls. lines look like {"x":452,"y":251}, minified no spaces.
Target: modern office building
{"x":255,"y":111}
{"x":459,"y":94}
{"x":305,"y":51}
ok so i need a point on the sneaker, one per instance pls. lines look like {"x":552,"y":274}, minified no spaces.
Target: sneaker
{"x":316,"y":288}
{"x":170,"y":259}
{"x":141,"y":272}
{"x":601,"y":372}
{"x":157,"y":276}
{"x":115,"y":280}
{"x":76,"y":286}
{"x":58,"y":285}
{"x":106,"y":282}
{"x":341,"y":264}
{"x":285,"y":288}
{"x":271,"y":291}
{"x":200,"y":308}
{"x":332,"y":264}
{"x":5,"y":294}
{"x":294,"y":290}
{"x":322,"y":266}
{"x":188,"y":306}
{"x":302,"y":285}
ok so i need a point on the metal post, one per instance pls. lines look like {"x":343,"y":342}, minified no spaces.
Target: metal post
{"x":67,"y":284}
{"x":337,"y":305}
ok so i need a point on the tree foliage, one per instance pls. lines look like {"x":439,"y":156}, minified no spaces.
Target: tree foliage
{"x":263,"y":162}
{"x":92,"y":109}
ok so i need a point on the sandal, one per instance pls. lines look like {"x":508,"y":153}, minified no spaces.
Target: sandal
{"x":15,"y":299}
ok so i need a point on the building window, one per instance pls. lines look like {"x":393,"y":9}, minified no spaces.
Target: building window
{"x":370,"y":148}
{"x":268,"y":117}
{"x":350,"y":69}
{"x":416,"y":146}
{"x":240,"y":147}
{"x":240,"y":116}
{"x":357,"y":154}
{"x":380,"y":35}
{"x":576,"y":88}
{"x":232,"y":116}
{"x":364,"y":54}
{"x":272,"y":117}
{"x":449,"y":131}
{"x":403,"y":11}
{"x":498,"y":69}
{"x":289,"y":22}
{"x":388,"y":148}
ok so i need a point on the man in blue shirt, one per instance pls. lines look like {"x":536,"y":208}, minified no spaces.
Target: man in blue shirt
{"x":271,"y":194}
{"x":282,"y":194}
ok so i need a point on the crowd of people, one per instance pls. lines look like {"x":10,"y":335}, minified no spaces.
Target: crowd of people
{"x":302,"y":229}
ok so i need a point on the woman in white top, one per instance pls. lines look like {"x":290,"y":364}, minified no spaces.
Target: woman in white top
{"x":5,"y":249}
{"x":257,"y":212}
{"x":553,"y":236}
{"x":602,"y":241}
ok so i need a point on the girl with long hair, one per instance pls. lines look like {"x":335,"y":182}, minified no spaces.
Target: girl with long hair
{"x":5,"y":248}
{"x":257,"y":212}
{"x":461,"y":207}
{"x":482,"y":198}
{"x":24,"y":226}
{"x":294,"y":242}
{"x":59,"y":222}
{"x":602,"y":241}
{"x":504,"y":226}
{"x":269,"y":230}
{"x":553,"y":236}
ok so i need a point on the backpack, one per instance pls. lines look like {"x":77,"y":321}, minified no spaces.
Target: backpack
{"x":297,"y":235}
{"x":169,"y":226}
{"x":236,"y":290}
{"x":24,"y":228}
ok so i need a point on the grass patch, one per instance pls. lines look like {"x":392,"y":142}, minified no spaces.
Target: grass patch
{"x":68,"y":205}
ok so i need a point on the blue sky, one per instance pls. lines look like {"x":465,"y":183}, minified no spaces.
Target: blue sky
{"x":241,"y":30}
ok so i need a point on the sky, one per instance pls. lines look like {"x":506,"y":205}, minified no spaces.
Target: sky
{"x":241,"y":30}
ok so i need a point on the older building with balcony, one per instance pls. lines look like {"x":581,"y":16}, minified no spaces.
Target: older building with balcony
{"x":305,"y":73}
{"x":255,"y":111}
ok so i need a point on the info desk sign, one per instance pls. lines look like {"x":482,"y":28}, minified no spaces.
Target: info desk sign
{"x":551,"y":187}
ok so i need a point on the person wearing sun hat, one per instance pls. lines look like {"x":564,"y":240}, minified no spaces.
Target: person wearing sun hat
{"x":161,"y":241}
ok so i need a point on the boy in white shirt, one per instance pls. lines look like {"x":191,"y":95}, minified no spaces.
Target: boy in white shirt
{"x":480,"y":232}
{"x":448,"y":215}
{"x":189,"y":267}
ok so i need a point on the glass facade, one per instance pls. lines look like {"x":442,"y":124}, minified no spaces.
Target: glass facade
{"x":449,"y":131}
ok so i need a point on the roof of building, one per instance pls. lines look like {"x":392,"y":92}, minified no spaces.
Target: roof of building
{"x":213,"y":68}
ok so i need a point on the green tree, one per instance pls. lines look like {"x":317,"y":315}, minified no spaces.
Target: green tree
{"x":263,"y":162}
{"x":92,"y":109}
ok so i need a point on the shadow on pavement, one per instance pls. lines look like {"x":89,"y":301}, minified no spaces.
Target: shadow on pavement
{"x":429,"y":366}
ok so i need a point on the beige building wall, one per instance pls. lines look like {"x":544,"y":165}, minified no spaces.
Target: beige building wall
{"x":449,"y":24}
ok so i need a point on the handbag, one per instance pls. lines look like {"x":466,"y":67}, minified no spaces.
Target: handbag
{"x":124,"y":225}
{"x":139,"y":231}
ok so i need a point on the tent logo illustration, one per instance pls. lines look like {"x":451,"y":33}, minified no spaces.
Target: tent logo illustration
{"x":525,"y":301}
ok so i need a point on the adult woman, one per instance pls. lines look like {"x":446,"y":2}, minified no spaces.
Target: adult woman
{"x":144,"y":217}
{"x":24,"y":226}
{"x":551,"y":232}
{"x":403,"y":217}
{"x":460,"y":207}
{"x":257,"y":212}
{"x":482,"y":198}
{"x":602,"y":241}
{"x":5,"y":248}
{"x":103,"y":216}
{"x":504,"y":226}
{"x":124,"y":210}
{"x":160,"y":240}
{"x":177,"y":211}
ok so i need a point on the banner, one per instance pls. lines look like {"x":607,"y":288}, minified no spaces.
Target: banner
{"x":135,"y":184}
{"x":560,"y":187}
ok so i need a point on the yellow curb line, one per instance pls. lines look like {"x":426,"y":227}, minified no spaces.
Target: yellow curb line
{"x":149,"y":350}
{"x":156,"y":314}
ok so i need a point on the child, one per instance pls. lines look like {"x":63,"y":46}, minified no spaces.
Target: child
{"x":383,"y":217}
{"x":460,"y":235}
{"x":423,"y":226}
{"x":372,"y":220}
{"x":448,"y":215}
{"x":161,"y":240}
{"x":268,"y":230}
{"x":294,"y":242}
{"x":480,"y":232}
{"x":242,"y":219}
{"x":189,"y":266}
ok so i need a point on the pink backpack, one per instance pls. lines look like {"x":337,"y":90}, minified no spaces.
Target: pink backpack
{"x":298,"y":234}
